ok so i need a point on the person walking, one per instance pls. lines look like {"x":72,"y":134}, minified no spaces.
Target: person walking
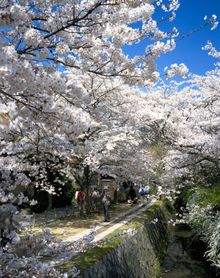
{"x":106,"y":204}
{"x":147,"y":189}
{"x":132,"y":195}
{"x":142,"y":193}
{"x":79,"y":196}
{"x":95,"y":198}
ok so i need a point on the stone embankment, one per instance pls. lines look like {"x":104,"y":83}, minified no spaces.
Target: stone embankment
{"x":136,"y":254}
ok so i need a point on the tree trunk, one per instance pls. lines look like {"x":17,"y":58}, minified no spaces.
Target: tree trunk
{"x":86,"y":188}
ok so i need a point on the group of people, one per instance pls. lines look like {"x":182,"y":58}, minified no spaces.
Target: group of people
{"x":133,"y":197}
{"x":95,"y":198}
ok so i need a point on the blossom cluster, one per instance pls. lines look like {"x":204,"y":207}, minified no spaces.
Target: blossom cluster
{"x":176,"y":70}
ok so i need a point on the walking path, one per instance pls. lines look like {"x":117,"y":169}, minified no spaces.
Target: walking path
{"x":121,"y":223}
{"x":120,"y":220}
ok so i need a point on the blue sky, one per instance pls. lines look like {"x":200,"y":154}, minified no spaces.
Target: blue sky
{"x":189,"y":16}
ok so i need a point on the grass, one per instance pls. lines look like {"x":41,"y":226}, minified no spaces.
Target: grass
{"x":67,"y":226}
{"x":85,"y":260}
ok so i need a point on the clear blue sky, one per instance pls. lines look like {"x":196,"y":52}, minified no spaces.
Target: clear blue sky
{"x":189,"y":16}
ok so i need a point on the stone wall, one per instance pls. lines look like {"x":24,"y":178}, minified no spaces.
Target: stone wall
{"x":139,"y":255}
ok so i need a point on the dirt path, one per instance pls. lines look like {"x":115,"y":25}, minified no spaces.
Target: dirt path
{"x":103,"y":229}
{"x":68,"y":228}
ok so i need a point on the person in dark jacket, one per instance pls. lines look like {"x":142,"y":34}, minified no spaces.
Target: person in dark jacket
{"x":132,"y":195}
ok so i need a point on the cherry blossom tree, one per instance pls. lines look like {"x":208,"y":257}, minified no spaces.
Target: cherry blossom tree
{"x":194,"y":125}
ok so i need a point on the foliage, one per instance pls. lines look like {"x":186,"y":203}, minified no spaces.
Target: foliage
{"x":205,"y":196}
{"x":203,"y":220}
